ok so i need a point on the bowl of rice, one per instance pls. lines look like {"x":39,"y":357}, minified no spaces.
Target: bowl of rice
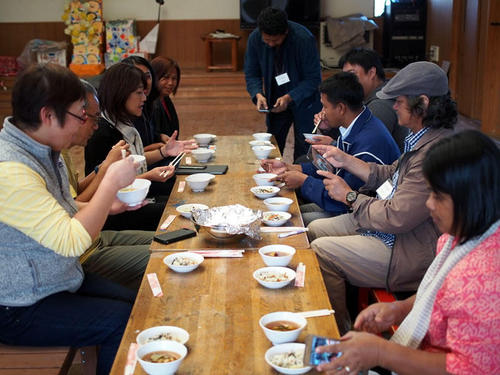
{"x":287,"y":358}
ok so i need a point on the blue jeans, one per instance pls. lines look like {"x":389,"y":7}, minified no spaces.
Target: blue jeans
{"x":96,"y":314}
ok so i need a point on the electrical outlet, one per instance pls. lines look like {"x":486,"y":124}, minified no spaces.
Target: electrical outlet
{"x":434,"y":53}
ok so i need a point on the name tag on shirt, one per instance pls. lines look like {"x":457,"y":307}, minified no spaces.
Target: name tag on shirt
{"x":282,"y":79}
{"x":385,"y":190}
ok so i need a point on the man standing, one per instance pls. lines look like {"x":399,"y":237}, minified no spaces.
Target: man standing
{"x":366,"y":64}
{"x":282,"y":73}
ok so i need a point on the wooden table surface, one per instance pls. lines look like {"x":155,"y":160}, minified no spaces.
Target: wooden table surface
{"x":230,"y":188}
{"x":220,"y":305}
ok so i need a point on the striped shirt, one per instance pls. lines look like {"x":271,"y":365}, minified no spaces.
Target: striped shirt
{"x":410,"y":142}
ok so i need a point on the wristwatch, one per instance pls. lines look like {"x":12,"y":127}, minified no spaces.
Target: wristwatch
{"x":351,"y":197}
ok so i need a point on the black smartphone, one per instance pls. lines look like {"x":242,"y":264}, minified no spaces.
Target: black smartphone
{"x":174,"y":236}
{"x":264,"y":110}
{"x":321,"y":163}
{"x":193,"y":167}
{"x":310,"y":355}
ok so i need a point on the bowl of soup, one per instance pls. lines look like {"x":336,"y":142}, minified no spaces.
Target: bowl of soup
{"x":278,"y":204}
{"x":262,"y":152}
{"x":161,"y":357}
{"x":277,"y":255}
{"x":198,"y":181}
{"x":162,"y":333}
{"x":287,"y":358}
{"x":134,"y":193}
{"x":274,"y":277}
{"x":282,"y":326}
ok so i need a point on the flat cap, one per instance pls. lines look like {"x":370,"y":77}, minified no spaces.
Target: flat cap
{"x":418,"y":78}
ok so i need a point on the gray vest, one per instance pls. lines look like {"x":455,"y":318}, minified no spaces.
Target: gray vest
{"x":30,"y":271}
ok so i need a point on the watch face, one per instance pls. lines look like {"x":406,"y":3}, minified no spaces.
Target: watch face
{"x":351,"y":196}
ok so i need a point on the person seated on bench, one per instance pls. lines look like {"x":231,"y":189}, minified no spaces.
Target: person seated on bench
{"x":362,"y":136}
{"x":452,"y":324}
{"x":46,"y":299}
{"x":387,"y":241}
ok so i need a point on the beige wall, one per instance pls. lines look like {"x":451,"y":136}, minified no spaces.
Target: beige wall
{"x":51,"y":10}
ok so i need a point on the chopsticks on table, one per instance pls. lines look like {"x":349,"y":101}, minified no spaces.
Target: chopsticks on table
{"x":314,"y":313}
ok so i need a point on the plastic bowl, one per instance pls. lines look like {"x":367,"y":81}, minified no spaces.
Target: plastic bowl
{"x":287,"y":274}
{"x":280,"y":337}
{"x":275,"y":218}
{"x":153,"y":334}
{"x":278,"y":204}
{"x":161,"y":368}
{"x":204,"y":139}
{"x":198,"y":182}
{"x":277,"y":255}
{"x":202,"y":155}
{"x":135,"y":193}
{"x":264,"y":192}
{"x":262,"y":179}
{"x":262,"y":152}
{"x":186,"y":209}
{"x":197,"y":258}
{"x":291,"y":347}
{"x":262,"y":136}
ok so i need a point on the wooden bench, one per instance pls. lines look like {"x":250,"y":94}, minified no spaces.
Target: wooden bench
{"x":26,"y":360}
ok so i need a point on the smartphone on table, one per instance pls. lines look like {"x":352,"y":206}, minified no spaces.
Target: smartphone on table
{"x":174,"y":236}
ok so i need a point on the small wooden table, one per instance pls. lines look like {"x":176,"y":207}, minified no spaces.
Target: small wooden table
{"x":209,"y":41}
{"x":220,"y":305}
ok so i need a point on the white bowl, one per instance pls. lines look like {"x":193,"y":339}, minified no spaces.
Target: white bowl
{"x":162,"y":333}
{"x":275,"y":218}
{"x":196,"y":258}
{"x":261,"y":143}
{"x":186,"y":209}
{"x":280,"y":337}
{"x":264,"y":192}
{"x":202,"y":155}
{"x":262,"y":152}
{"x":204,"y":139}
{"x":135,"y":193}
{"x":286,"y":274}
{"x":309,"y":136}
{"x":283,"y":255}
{"x":262,"y":179}
{"x":210,"y":176}
{"x":198,"y":182}
{"x":291,"y":347}
{"x":161,"y":368}
{"x":262,"y":136}
{"x":278,"y":203}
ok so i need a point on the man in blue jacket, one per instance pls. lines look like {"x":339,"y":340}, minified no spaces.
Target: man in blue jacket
{"x":362,"y":135}
{"x":283,"y":72}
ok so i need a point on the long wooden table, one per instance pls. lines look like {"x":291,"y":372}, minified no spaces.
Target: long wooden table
{"x":230,"y":188}
{"x":220,"y":303}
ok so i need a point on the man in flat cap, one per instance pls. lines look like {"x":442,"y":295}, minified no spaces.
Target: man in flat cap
{"x":387,"y":241}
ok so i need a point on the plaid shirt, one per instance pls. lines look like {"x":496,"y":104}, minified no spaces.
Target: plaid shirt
{"x":389,"y":238}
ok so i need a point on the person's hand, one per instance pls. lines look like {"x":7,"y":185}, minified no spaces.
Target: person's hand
{"x":336,"y":186}
{"x":115,"y":153}
{"x":333,"y":154}
{"x":121,"y":173}
{"x":117,"y":207}
{"x":173,"y":147}
{"x":319,"y":139}
{"x":292,"y":179}
{"x":360,"y":351}
{"x":378,"y":317}
{"x":273,"y":166}
{"x":281,"y":103}
{"x":261,"y":101}
{"x":320,"y":118}
{"x":164,"y":138}
{"x":159,"y":174}
{"x":189,"y":144}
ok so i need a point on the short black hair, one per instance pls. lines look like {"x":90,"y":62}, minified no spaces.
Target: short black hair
{"x":440,"y":113}
{"x":343,"y":87}
{"x":272,"y":21}
{"x":366,"y":58}
{"x":118,"y":82}
{"x":466,"y":166}
{"x":44,"y":85}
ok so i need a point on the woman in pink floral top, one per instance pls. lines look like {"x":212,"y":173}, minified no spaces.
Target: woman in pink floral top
{"x":452,"y":324}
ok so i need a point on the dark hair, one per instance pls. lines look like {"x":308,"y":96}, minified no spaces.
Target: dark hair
{"x":44,"y":85}
{"x":118,"y":82}
{"x":272,"y":21}
{"x":440,"y":113}
{"x":138,"y":60}
{"x":89,"y":89}
{"x":466,"y":166}
{"x":365,"y":58}
{"x":162,"y":65}
{"x":343,"y":87}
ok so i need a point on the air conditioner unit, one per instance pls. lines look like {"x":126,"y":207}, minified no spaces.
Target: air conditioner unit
{"x":330,"y":56}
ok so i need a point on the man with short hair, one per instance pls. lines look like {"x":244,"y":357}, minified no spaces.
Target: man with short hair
{"x":362,"y":136}
{"x":367,"y":66}
{"x":283,"y":72}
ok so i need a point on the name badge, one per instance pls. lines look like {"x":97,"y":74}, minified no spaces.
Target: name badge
{"x":385,"y":190}
{"x":282,"y":79}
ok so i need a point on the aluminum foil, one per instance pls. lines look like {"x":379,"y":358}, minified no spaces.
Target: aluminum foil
{"x":233,"y":219}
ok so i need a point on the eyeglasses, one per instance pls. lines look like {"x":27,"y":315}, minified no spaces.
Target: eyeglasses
{"x":82,"y":118}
